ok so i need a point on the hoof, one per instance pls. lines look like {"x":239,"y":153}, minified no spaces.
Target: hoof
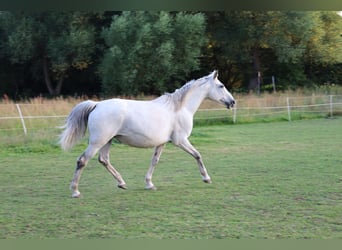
{"x":122,"y":186}
{"x":207,"y":181}
{"x":76,"y":194}
{"x":151,"y":188}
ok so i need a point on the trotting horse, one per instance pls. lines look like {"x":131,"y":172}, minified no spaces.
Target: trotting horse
{"x":141,"y":124}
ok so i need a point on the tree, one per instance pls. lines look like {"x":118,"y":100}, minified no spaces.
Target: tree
{"x":52,"y":42}
{"x":323,"y":55}
{"x":148,"y":49}
{"x":267,"y":40}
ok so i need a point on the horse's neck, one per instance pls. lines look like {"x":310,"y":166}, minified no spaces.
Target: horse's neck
{"x":193,"y":100}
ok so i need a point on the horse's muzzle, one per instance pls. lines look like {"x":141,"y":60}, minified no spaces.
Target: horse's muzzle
{"x":229,"y":104}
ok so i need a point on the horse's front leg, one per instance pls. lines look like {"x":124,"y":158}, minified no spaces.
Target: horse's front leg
{"x":187,"y":147}
{"x":155,"y":159}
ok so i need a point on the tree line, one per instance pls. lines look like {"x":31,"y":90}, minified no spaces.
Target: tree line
{"x":149,"y":52}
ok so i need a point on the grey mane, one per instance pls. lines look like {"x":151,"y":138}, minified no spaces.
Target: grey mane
{"x":177,"y":97}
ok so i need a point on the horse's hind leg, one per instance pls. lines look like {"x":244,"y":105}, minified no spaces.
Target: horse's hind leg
{"x":104,"y":160}
{"x":155,"y":159}
{"x":81,"y":163}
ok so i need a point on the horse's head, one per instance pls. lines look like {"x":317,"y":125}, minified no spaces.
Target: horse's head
{"x":218,"y":91}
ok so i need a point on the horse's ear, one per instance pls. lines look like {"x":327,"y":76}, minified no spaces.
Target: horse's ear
{"x":215,"y":74}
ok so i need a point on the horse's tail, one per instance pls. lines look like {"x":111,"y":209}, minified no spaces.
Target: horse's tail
{"x":76,"y":124}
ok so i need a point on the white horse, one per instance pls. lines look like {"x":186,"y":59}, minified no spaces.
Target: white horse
{"x":141,"y":124}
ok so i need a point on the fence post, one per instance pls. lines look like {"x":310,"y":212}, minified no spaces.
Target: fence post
{"x":288,"y":108}
{"x":273,"y":84}
{"x":21,"y":118}
{"x":234,"y":113}
{"x":331,"y":106}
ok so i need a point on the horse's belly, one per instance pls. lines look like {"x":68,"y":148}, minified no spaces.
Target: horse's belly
{"x":140,"y":140}
{"x":144,"y":124}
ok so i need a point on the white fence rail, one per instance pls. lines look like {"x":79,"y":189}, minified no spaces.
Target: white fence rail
{"x":286,"y":109}
{"x":292,"y":107}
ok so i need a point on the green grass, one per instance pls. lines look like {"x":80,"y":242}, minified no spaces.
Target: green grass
{"x":270,"y":180}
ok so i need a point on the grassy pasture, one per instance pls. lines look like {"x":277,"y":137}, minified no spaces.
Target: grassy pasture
{"x":270,"y":180}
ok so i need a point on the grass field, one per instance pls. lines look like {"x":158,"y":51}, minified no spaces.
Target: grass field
{"x":270,"y":180}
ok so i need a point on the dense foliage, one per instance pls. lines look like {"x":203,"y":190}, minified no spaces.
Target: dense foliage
{"x":130,"y":53}
{"x":148,"y":49}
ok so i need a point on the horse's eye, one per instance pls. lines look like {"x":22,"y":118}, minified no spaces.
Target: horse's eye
{"x":221,"y":86}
